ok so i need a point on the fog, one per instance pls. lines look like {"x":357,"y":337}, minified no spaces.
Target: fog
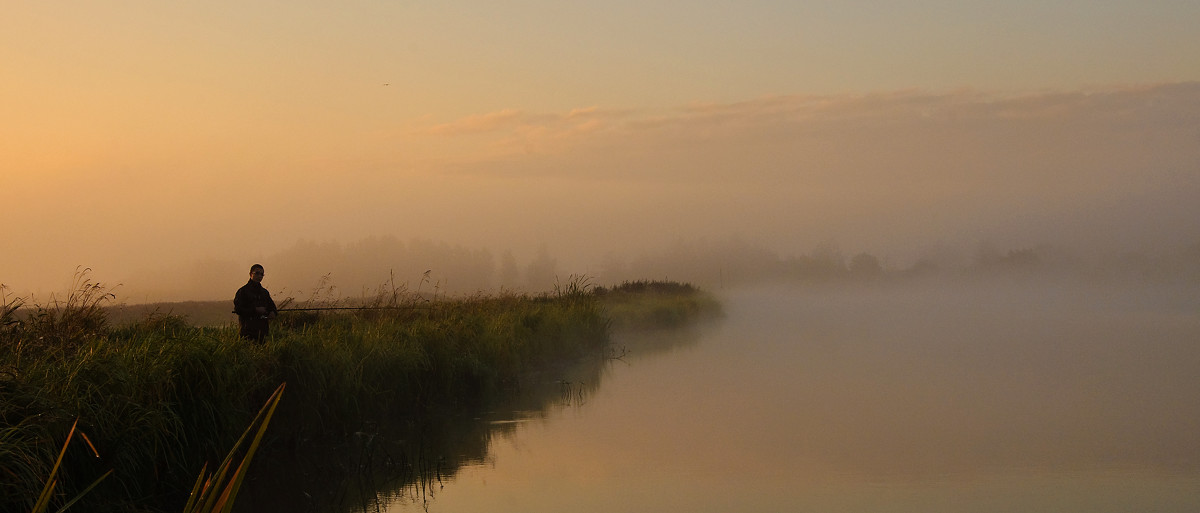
{"x":941,"y":379}
{"x":1080,"y":181}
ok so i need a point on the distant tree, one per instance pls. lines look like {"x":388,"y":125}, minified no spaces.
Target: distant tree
{"x":865,"y":265}
{"x":923,"y":266}
{"x":828,"y":255}
{"x":825,"y":263}
{"x":988,"y":258}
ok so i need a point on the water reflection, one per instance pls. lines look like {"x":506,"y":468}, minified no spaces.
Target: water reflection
{"x":408,"y":460}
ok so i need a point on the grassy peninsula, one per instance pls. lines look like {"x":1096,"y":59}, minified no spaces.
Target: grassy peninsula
{"x":159,"y":397}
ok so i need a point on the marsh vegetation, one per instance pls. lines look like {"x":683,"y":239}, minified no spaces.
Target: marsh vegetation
{"x":160,"y":396}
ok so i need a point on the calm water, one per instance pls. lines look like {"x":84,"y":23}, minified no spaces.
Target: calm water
{"x":957,"y":398}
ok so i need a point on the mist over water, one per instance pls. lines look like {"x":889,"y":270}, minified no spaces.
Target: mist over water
{"x":985,"y":395}
{"x":948,"y":378}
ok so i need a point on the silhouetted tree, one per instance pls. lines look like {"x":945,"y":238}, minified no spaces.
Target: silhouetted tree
{"x":865,"y":265}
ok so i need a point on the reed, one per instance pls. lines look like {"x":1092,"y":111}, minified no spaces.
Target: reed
{"x":9,"y":305}
{"x":63,"y":324}
{"x":215,"y":493}
{"x":656,"y":304}
{"x":159,"y":397}
{"x":43,"y":500}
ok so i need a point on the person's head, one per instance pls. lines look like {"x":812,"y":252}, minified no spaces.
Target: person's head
{"x":257,"y":272}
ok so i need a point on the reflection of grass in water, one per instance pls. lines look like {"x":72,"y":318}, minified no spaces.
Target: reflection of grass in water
{"x":406,"y":459}
{"x":159,"y":396}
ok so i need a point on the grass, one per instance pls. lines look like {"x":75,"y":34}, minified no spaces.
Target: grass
{"x":43,"y":500}
{"x":159,"y":397}
{"x":216,"y":492}
{"x":656,"y":304}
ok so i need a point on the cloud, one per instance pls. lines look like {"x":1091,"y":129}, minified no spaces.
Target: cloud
{"x":480,"y":123}
{"x":515,"y":121}
{"x":1043,"y":167}
{"x":939,"y":144}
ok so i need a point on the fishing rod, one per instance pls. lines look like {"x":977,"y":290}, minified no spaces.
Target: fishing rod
{"x":334,"y":308}
{"x":329,"y":308}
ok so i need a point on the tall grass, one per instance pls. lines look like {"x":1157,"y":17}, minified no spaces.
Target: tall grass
{"x":160,"y":397}
{"x":64,"y":324}
{"x":656,"y":304}
{"x":8,"y":310}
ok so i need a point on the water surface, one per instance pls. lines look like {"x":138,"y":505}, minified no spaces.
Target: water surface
{"x":981,"y":397}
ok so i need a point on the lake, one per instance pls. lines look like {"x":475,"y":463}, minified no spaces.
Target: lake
{"x":994,"y":396}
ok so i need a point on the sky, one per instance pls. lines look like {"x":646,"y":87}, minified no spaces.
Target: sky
{"x":146,"y":140}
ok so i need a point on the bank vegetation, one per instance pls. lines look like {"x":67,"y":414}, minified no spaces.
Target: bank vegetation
{"x":159,"y":397}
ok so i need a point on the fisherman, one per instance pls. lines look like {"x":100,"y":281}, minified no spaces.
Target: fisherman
{"x":254,"y":307}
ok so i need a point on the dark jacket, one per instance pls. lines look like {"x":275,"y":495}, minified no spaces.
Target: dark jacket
{"x":251,"y":296}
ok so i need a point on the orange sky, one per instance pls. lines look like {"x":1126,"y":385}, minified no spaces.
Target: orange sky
{"x":140,"y":137}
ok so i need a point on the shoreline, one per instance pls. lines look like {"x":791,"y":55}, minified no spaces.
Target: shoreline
{"x":160,"y":396}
